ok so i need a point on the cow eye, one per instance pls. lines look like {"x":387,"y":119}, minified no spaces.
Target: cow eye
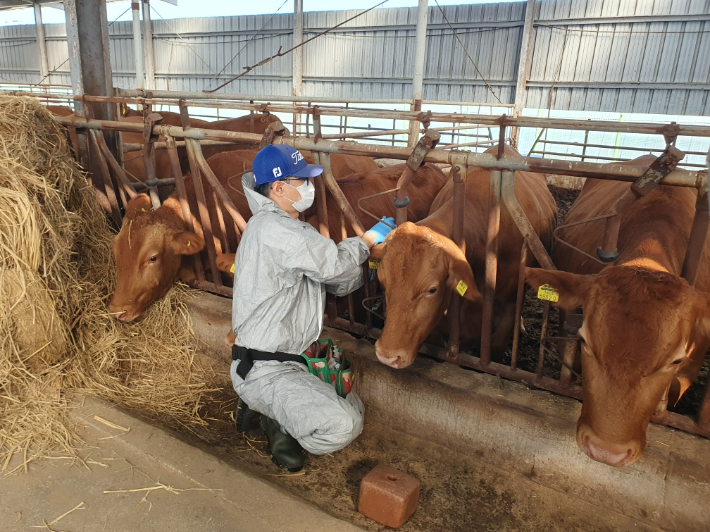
{"x":153,"y":258}
{"x":432,"y":290}
{"x":676,"y":362}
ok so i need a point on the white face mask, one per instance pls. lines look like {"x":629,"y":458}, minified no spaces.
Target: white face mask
{"x":308,"y":194}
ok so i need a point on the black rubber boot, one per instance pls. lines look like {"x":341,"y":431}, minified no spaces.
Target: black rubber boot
{"x":285,"y":450}
{"x":245,"y":416}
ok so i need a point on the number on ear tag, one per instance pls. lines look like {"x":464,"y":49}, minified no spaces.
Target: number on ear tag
{"x":461,"y":288}
{"x":547,"y":293}
{"x":231,"y":270}
{"x":373,"y":264}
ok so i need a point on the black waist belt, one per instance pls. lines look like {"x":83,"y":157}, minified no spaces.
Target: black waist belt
{"x":247,"y":357}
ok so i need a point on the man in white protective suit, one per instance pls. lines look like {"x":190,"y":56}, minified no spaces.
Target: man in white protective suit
{"x":282,"y":271}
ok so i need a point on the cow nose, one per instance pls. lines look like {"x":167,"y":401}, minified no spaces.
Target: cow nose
{"x":121,"y":316}
{"x":613,"y":454}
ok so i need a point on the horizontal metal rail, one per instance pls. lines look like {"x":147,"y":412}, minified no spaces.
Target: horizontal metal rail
{"x":491,"y":120}
{"x":483,"y":160}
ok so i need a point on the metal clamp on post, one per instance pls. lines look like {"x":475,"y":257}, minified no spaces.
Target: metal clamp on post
{"x":275,"y":129}
{"x":425,"y":119}
{"x":149,"y":120}
{"x":650,"y":179}
{"x":428,"y":141}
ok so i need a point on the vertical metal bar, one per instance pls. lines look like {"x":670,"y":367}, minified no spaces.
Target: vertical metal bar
{"x":568,"y":355}
{"x":108,"y":185}
{"x":419,"y":64}
{"x":584,"y":147}
{"x":137,"y":46}
{"x":339,"y":197}
{"x":222,"y":226}
{"x":519,"y":306}
{"x":543,"y":334}
{"x":41,"y":45}
{"x":521,"y":220}
{"x":494,"y":197}
{"x":324,"y":229}
{"x":698,"y":237}
{"x":190,"y":221}
{"x":148,"y":43}
{"x":526,"y":48}
{"x":343,"y":236}
{"x":459,"y":210}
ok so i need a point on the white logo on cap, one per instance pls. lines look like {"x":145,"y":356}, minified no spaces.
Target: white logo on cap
{"x":277,"y":171}
{"x":297,"y":155}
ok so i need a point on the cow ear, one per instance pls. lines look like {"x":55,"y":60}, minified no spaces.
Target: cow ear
{"x":571,"y":288}
{"x":461,"y":279}
{"x":186,"y":243}
{"x":225,"y":262}
{"x":139,"y":203}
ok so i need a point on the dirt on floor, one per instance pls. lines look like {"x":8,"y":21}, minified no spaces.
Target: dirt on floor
{"x":459,"y":493}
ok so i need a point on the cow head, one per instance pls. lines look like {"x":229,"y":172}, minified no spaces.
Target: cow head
{"x":148,"y":252}
{"x":419,"y":270}
{"x":640,"y":326}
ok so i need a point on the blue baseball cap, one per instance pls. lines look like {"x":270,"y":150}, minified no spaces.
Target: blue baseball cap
{"x":275,"y":162}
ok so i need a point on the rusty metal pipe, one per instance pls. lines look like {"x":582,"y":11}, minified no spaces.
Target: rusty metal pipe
{"x":483,"y":160}
{"x":494,"y":197}
{"x":129,"y":147}
{"x":521,"y":220}
{"x":190,"y":221}
{"x":454,"y":312}
{"x":217,"y":186}
{"x":519,"y":306}
{"x":118,"y":171}
{"x":340,"y":198}
{"x":401,"y":200}
{"x":108,"y":184}
{"x":698,"y":237}
{"x":543,"y":333}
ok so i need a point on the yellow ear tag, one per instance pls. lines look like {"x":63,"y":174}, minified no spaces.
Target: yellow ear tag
{"x":547,"y":293}
{"x":188,"y":243}
{"x":231,"y":270}
{"x":461,"y":288}
{"x":142,"y":209}
{"x":373,"y":264}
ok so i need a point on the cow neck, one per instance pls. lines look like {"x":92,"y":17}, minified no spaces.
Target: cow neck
{"x":661,"y":251}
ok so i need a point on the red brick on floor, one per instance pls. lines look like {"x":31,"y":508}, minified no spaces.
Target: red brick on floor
{"x":388,"y":496}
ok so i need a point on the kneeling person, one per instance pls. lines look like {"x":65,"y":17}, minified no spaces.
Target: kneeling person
{"x":283,"y":269}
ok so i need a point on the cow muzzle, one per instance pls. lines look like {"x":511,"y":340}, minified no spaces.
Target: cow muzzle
{"x":397,"y":359}
{"x":613,"y":454}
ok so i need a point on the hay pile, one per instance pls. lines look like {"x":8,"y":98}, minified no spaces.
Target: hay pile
{"x":56,"y":275}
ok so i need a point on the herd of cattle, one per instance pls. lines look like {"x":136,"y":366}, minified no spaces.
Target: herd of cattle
{"x":645,"y":331}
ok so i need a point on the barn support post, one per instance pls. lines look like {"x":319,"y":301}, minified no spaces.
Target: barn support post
{"x":41,"y":45}
{"x":137,"y":47}
{"x":297,"y":89}
{"x":494,"y":197}
{"x":148,"y":44}
{"x":526,"y":49}
{"x":90,"y":67}
{"x":419,"y":65}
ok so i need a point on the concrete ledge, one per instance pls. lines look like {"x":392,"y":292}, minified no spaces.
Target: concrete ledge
{"x":523,"y":431}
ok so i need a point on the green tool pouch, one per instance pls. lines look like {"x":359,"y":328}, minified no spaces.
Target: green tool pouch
{"x":329,"y":364}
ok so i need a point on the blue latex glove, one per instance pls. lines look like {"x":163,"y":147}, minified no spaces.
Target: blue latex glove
{"x":381,"y":229}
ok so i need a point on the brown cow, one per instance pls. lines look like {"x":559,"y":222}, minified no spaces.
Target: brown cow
{"x":147,"y":233}
{"x":645,"y":329}
{"x":421,"y":266}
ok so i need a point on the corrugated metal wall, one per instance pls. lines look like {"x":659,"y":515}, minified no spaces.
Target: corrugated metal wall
{"x":592,"y":55}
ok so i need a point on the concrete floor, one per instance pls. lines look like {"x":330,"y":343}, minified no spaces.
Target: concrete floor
{"x":178,"y":487}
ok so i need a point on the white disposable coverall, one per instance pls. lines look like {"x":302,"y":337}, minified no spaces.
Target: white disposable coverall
{"x":282,"y":271}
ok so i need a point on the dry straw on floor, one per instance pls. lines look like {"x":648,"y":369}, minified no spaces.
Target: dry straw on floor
{"x":56,"y":275}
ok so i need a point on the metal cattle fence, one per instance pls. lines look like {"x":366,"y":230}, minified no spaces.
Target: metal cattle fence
{"x":119,"y":188}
